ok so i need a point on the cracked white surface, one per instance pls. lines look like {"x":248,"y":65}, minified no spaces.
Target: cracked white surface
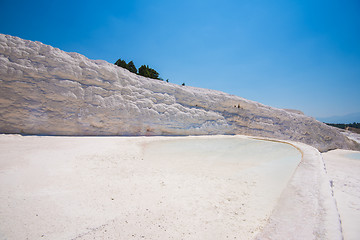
{"x":306,"y":208}
{"x":343,"y":168}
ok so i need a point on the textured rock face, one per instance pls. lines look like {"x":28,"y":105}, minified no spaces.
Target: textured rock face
{"x":44,"y":90}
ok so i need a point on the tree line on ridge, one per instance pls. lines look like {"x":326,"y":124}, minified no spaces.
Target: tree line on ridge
{"x":144,"y":70}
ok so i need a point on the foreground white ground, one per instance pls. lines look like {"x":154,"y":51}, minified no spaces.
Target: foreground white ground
{"x":343,"y":168}
{"x":126,"y":188}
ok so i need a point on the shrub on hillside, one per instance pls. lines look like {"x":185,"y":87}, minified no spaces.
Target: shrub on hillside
{"x":146,"y":71}
{"x":121,"y":63}
{"x":131,"y":67}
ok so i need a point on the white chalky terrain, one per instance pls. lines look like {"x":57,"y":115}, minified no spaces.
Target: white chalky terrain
{"x":194,"y":187}
{"x":163,"y":188}
{"x":44,"y":90}
{"x":343,"y":168}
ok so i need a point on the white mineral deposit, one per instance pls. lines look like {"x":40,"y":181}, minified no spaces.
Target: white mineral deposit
{"x":162,"y":188}
{"x":44,"y":90}
{"x":90,"y":150}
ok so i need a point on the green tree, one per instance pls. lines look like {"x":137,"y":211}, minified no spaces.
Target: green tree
{"x":146,"y":71}
{"x":143,"y":71}
{"x":154,"y":74}
{"x":131,"y":67}
{"x":121,"y":63}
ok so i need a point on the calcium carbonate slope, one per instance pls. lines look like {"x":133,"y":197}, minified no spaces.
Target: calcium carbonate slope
{"x":44,"y":90}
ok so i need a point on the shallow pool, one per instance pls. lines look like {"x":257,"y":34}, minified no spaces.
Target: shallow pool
{"x":233,"y":179}
{"x":226,"y":157}
{"x":213,"y":187}
{"x":355,"y":155}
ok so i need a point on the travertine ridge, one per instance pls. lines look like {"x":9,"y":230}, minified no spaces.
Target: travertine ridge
{"x":44,"y":90}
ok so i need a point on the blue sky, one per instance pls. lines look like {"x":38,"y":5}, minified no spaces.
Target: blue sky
{"x":302,"y":54}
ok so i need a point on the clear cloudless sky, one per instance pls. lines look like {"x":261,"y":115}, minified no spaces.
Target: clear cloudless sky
{"x":299,"y":54}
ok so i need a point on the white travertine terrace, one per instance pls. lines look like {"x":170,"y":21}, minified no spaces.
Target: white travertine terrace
{"x":233,"y":187}
{"x":44,"y":90}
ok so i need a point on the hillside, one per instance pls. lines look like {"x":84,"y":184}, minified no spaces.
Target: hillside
{"x":44,"y":90}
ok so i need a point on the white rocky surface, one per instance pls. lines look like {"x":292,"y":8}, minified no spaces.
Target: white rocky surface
{"x":343,"y":168}
{"x":306,"y":208}
{"x":44,"y":90}
{"x":220,"y":187}
{"x":351,"y":135}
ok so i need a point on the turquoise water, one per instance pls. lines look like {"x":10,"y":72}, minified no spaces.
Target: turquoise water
{"x":355,"y":156}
